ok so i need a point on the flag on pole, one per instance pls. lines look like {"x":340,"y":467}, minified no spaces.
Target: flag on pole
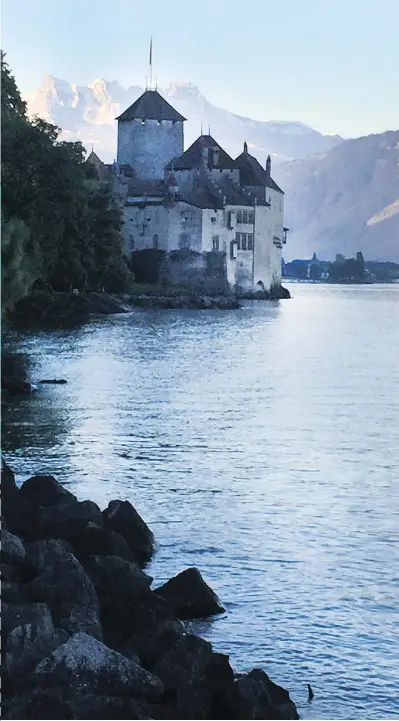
{"x":151,"y":51}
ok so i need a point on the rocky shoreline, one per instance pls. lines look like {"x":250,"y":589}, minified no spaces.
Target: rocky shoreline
{"x":87,"y":636}
{"x":57,"y":307}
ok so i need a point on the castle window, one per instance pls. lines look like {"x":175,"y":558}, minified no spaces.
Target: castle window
{"x":184,"y":241}
{"x":243,"y":241}
{"x":251,"y":217}
{"x":229,"y":219}
{"x":239,"y":216}
{"x":233,"y":250}
{"x":143,"y":122}
{"x":250,"y":245}
{"x":155,"y":241}
{"x":245,"y":216}
{"x":215,"y":243}
{"x":238,"y":240}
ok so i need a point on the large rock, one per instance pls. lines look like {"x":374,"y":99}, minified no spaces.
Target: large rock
{"x":28,"y":644}
{"x":47,"y":552}
{"x":13,"y":593}
{"x":136,"y":624}
{"x":12,"y":549}
{"x":202,"y":682}
{"x":112,"y":707}
{"x":58,"y":519}
{"x":83,"y":664}
{"x":94,"y":541}
{"x":71,"y":595}
{"x":20,"y":516}
{"x":113,"y":576}
{"x":46,"y":491}
{"x":15,"y":614}
{"x":260,"y":698}
{"x":40,"y":704}
{"x":121,"y":517}
{"x":189,"y":596}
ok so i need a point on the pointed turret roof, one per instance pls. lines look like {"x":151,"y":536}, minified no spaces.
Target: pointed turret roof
{"x":150,"y":106}
{"x":252,"y":173}
{"x":193,"y":156}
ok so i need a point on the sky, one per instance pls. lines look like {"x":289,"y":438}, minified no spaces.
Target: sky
{"x":331,"y":64}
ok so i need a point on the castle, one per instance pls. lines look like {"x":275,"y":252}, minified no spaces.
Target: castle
{"x":228,"y":211}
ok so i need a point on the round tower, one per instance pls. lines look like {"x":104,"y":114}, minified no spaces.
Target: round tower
{"x":150,"y":134}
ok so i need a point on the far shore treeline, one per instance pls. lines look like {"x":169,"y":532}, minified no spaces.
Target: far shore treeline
{"x":60,"y":225}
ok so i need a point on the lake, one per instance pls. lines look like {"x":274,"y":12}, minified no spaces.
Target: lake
{"x":261,"y":445}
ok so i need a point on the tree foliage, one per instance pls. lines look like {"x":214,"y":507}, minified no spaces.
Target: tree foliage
{"x":61,"y":226}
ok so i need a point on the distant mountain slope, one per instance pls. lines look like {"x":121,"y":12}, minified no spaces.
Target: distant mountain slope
{"x":345,"y":200}
{"x":89,"y":112}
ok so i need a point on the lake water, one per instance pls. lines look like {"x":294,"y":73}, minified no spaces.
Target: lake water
{"x":261,"y":445}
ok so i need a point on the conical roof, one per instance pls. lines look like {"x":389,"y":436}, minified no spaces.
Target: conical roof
{"x":151,"y":106}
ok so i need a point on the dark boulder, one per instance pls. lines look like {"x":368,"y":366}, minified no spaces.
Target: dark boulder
{"x":135,"y":624}
{"x":94,"y":541}
{"x":116,"y":577}
{"x":121,"y":517}
{"x":28,"y":644}
{"x":184,"y":672}
{"x":12,"y":549}
{"x":260,"y":698}
{"x":20,"y":516}
{"x":15,"y":614}
{"x":46,"y":491}
{"x":189,"y":596}
{"x":39,"y":704}
{"x":84,"y":663}
{"x":57,"y":519}
{"x":13,"y":593}
{"x":47,"y":552}
{"x":110,"y":707}
{"x":9,"y":573}
{"x":8,"y":485}
{"x":70,"y":593}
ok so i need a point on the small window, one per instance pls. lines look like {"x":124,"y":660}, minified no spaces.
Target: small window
{"x":251,"y":217}
{"x":245,"y":216}
{"x":229,"y":218}
{"x":215,"y":243}
{"x":239,"y":216}
{"x":184,"y":241}
{"x":243,"y":241}
{"x":270,"y":199}
{"x":155,"y":241}
{"x":233,"y":249}
{"x":250,"y":241}
{"x":238,"y":240}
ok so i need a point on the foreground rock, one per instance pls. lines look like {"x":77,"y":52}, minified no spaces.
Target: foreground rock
{"x":84,"y":663}
{"x":186,"y":302}
{"x":122,"y":518}
{"x":189,"y":596}
{"x":85,"y":637}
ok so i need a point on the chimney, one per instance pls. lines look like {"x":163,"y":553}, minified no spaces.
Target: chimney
{"x":268,"y":166}
{"x":245,"y":147}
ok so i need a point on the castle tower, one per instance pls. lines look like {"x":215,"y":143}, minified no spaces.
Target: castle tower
{"x":150,"y":134}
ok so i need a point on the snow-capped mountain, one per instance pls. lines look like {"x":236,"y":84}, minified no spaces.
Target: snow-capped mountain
{"x":88,"y":113}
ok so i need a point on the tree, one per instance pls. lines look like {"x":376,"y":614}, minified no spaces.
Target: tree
{"x":54,"y":211}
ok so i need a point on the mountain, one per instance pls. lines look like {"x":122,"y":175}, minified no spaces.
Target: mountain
{"x":88,"y":113}
{"x":344,"y":200}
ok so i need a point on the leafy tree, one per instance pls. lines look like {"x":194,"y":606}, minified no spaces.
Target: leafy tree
{"x":62,"y":226}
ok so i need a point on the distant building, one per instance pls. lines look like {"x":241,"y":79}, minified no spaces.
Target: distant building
{"x":200,"y":199}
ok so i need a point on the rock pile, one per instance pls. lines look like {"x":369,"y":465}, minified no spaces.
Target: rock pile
{"x":84,"y":634}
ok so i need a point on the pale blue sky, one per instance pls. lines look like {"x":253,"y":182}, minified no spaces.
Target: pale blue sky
{"x":333,"y":65}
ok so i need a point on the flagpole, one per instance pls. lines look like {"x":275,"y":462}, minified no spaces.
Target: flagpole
{"x":151,"y":63}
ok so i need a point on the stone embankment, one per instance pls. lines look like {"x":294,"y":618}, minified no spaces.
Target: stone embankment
{"x":86,"y":635}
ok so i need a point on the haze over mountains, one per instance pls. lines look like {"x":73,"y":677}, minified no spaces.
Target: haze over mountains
{"x":341,"y":196}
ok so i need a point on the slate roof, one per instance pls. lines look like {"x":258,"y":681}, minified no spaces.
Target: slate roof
{"x":212,"y":194}
{"x":192,"y":157}
{"x":252,"y":173}
{"x":150,"y":188}
{"x":151,"y":106}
